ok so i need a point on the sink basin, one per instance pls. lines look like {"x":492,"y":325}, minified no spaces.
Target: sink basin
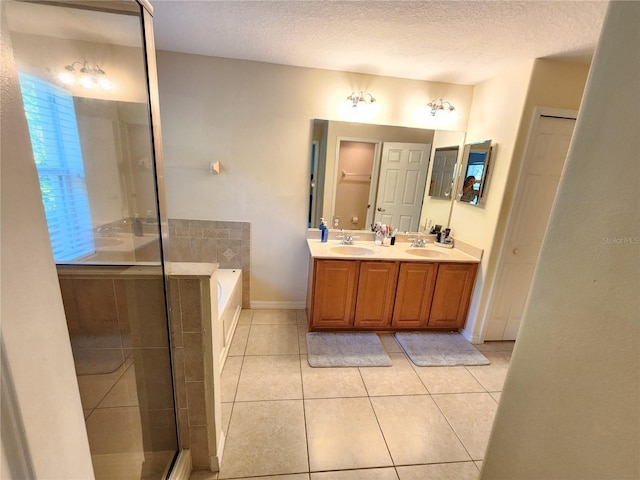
{"x":427,"y":253}
{"x":351,"y":250}
{"x":107,"y":241}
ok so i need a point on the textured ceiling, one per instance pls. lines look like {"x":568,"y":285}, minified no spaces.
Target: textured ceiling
{"x":453,"y":41}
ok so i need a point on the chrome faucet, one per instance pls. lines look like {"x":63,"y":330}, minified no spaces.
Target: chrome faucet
{"x":418,"y":242}
{"x":346,"y":239}
{"x":106,"y":231}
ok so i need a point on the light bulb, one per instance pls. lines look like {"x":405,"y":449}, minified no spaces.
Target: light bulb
{"x":87,"y":81}
{"x":105,"y":83}
{"x":68,"y":78}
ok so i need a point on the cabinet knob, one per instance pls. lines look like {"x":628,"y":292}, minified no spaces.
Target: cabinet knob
{"x":515,"y":251}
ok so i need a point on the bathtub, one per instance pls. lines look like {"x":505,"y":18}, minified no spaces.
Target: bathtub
{"x":229,"y":307}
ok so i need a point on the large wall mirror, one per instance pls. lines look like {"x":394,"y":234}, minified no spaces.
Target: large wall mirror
{"x":474,"y":172}
{"x":363,"y":173}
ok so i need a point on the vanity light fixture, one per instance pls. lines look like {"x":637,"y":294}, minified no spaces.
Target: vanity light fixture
{"x":88,"y":76}
{"x":438,"y":106}
{"x":362,"y":99}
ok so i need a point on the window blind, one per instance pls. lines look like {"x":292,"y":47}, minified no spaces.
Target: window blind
{"x":56,"y":150}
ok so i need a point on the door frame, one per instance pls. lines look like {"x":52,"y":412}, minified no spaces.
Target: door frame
{"x":538,"y":113}
{"x":374,"y":175}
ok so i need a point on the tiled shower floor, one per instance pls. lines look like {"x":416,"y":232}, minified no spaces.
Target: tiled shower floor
{"x":286,"y":420}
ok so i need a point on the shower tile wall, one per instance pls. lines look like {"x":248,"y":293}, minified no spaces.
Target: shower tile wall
{"x":225,"y":243}
{"x":118,"y":332}
{"x":186,"y":319}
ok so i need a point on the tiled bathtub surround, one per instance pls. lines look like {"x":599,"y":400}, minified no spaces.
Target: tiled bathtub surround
{"x":193,"y":312}
{"x":225,"y":243}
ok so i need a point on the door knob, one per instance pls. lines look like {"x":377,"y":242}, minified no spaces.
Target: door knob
{"x":380,"y":209}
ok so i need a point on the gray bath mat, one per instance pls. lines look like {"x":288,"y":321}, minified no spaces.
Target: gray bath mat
{"x":346,"y":350}
{"x":439,"y":349}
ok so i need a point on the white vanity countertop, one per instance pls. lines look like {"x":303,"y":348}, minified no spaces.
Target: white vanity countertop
{"x":397,"y":252}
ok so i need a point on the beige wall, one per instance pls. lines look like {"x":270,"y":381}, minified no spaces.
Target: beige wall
{"x":35,"y":341}
{"x":569,"y":407}
{"x":256,"y":119}
{"x":495,"y":114}
{"x":503,"y":111}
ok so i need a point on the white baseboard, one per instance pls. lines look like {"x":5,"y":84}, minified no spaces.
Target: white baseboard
{"x":261,"y":305}
{"x":215,"y":461}
{"x":475,"y":339}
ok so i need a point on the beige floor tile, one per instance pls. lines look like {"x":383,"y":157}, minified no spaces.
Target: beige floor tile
{"x":273,"y":340}
{"x":448,"y":379}
{"x":492,"y":376}
{"x":273,"y":377}
{"x":302,"y":338}
{"x":274,"y":317}
{"x":504,"y":346}
{"x":471,"y":416}
{"x":93,"y":388}
{"x":416,"y":431}
{"x":124,"y":393}
{"x":330,"y":382}
{"x":442,"y":471}
{"x":229,"y":378}
{"x":478,"y":464}
{"x":366,"y":474}
{"x":265,"y":438}
{"x":343,"y":433}
{"x":506,"y":355}
{"x":115,"y":430}
{"x":484,"y":347}
{"x":239,"y":340}
{"x":245,"y":317}
{"x":398,"y":379}
{"x":496,"y":396}
{"x":301,"y":317}
{"x":203,"y":475}
{"x":131,"y":466}
{"x":389,"y":343}
{"x":294,"y":476}
{"x":225,"y":413}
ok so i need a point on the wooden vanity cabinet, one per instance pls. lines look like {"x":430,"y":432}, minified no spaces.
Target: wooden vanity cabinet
{"x":388,"y":295}
{"x":452,"y":295}
{"x":416,"y":282}
{"x":376,"y":294}
{"x":333,"y":299}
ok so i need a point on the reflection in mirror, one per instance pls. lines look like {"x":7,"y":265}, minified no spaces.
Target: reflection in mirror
{"x":474,"y":172}
{"x":355,"y":180}
{"x":443,"y":172}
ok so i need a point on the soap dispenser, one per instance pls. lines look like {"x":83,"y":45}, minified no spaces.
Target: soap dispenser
{"x":324,"y":231}
{"x":137,"y":226}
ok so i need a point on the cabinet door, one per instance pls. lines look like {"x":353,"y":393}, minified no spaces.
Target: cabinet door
{"x":416,"y":282}
{"x":334,"y":293}
{"x":376,"y":293}
{"x":452,"y":295}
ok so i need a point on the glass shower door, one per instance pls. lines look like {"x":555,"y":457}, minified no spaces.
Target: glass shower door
{"x":82,"y":72}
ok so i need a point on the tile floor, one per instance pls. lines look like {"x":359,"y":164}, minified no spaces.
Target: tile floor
{"x":287,"y":421}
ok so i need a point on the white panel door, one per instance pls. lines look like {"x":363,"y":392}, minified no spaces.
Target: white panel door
{"x":528,"y":224}
{"x":442,"y":173}
{"x":403,"y":176}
